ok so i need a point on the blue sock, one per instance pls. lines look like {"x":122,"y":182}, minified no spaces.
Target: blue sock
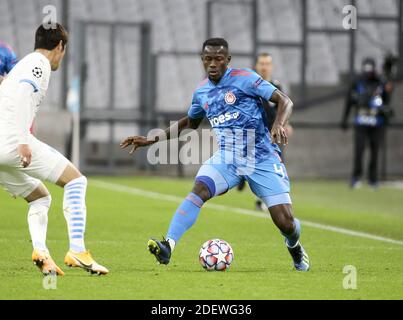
{"x":185,"y":216}
{"x":292,"y":239}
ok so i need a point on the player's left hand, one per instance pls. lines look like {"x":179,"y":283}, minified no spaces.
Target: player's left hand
{"x":279,"y":134}
{"x":136,"y":142}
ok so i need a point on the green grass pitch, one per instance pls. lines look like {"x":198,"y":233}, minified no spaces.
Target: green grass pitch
{"x":120,"y":221}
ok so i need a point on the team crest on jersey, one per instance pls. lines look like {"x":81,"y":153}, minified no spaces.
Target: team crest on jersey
{"x":37,"y":72}
{"x":230,"y":97}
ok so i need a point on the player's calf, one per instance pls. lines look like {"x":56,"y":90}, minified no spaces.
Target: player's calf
{"x":183,"y":219}
{"x":290,"y":228}
{"x":39,"y":201}
{"x":284,"y":220}
{"x":188,"y":212}
{"x":38,"y":221}
{"x":75,"y":212}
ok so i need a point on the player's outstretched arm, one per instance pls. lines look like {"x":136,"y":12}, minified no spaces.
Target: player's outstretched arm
{"x":169,"y":133}
{"x":284,"y":110}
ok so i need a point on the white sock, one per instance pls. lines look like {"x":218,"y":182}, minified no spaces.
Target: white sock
{"x":75,"y":212}
{"x":38,"y":222}
{"x":171,"y":244}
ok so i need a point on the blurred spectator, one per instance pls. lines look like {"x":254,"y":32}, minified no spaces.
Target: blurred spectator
{"x":264,"y":67}
{"x":369,"y":96}
{"x":8,"y":59}
{"x":390,"y":72}
{"x":390,"y":66}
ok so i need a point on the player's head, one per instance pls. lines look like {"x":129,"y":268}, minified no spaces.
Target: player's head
{"x":215,"y":57}
{"x":264,"y":65}
{"x":53,"y":39}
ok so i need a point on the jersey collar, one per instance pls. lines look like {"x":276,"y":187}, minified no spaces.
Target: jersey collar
{"x":44,"y":58}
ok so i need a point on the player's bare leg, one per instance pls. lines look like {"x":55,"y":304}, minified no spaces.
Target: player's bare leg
{"x":201,"y":190}
{"x":290,"y":228}
{"x":75,"y":212}
{"x":69,"y":174}
{"x":39,"y":203}
{"x":185,"y":216}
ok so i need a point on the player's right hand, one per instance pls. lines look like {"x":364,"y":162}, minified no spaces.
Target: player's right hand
{"x":25,"y":154}
{"x":279,"y":134}
{"x":136,"y":142}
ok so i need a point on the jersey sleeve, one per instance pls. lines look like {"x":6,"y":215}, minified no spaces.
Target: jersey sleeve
{"x":258,"y":87}
{"x":24,"y":112}
{"x":33,"y":73}
{"x":11,"y":61}
{"x":196,"y":110}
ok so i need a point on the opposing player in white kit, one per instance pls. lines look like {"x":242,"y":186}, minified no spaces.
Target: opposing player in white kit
{"x":25,"y":161}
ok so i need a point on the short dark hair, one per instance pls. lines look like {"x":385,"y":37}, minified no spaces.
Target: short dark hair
{"x":215,"y":42}
{"x":49,"y":38}
{"x":263,"y":54}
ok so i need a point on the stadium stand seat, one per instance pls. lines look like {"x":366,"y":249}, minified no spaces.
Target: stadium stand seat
{"x":181,"y":26}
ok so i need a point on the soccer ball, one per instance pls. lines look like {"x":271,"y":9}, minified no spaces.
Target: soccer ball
{"x":216,"y":255}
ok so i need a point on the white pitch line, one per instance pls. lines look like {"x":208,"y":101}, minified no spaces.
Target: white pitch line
{"x":176,"y":199}
{"x":394,"y":184}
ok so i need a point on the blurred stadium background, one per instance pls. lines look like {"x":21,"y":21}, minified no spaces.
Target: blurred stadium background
{"x":135,"y":64}
{"x":132,"y":65}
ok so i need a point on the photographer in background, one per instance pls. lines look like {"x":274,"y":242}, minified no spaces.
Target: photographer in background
{"x":369,"y":96}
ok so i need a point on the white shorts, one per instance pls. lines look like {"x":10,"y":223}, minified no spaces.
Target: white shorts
{"x":46,"y":164}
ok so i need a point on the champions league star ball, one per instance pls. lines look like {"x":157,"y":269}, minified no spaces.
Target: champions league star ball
{"x":216,"y":255}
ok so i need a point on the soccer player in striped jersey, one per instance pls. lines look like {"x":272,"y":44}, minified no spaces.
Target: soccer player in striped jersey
{"x":25,"y":161}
